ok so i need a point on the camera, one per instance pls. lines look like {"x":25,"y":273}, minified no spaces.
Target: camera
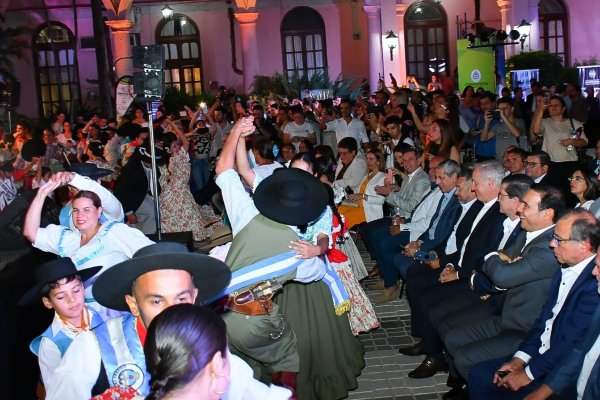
{"x":496,"y":114}
{"x":385,"y":137}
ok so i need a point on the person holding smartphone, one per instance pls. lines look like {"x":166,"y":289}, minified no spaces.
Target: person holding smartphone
{"x":509,"y":131}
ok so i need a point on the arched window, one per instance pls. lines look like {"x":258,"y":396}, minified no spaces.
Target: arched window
{"x":426,"y":28}
{"x":55,"y":58}
{"x":183,"y":60}
{"x":554,"y":28}
{"x":303,"y":42}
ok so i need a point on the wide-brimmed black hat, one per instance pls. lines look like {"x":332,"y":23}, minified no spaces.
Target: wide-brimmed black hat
{"x":291,"y":196}
{"x":210,"y":276}
{"x":90,"y":170}
{"x":129,"y":129}
{"x":146,"y":155}
{"x":33,"y":148}
{"x":52,"y":271}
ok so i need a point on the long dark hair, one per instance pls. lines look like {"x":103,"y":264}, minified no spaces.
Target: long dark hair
{"x":181,"y":341}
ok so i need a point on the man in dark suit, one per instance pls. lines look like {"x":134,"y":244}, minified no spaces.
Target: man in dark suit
{"x":443,"y":220}
{"x":536,"y":167}
{"x":521,"y":275}
{"x":579,"y":373}
{"x":564,"y":319}
{"x":133,"y":189}
{"x":425,"y":291}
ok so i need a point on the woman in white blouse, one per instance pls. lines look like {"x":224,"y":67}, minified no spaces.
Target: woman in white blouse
{"x":584,"y":186}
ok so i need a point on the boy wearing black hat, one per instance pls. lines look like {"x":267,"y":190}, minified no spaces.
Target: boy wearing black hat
{"x":155,"y":278}
{"x":60,"y":287}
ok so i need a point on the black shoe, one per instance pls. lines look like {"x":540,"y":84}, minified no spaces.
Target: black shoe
{"x":457,"y":393}
{"x":428,"y":368}
{"x":414,"y":350}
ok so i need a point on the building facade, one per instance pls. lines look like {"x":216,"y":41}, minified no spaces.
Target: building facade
{"x":210,"y":43}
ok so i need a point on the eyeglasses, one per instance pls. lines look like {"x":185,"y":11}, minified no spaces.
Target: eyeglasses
{"x":531,"y":164}
{"x":501,"y":195}
{"x":559,"y":241}
{"x":575,"y":178}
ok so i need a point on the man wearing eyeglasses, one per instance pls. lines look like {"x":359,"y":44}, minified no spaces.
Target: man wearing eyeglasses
{"x":537,"y":166}
{"x":564,"y":320}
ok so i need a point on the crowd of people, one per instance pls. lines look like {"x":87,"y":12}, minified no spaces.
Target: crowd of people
{"x":483,"y":210}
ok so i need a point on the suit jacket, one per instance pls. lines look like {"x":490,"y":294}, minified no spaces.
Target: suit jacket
{"x":354,"y":174}
{"x":570,"y":325}
{"x":527,"y":281}
{"x":444,"y":227}
{"x":481,"y":283}
{"x":410,"y":193}
{"x":374,"y":206}
{"x":462,"y":231}
{"x":484,"y":239}
{"x":131,"y":186}
{"x":567,"y":372}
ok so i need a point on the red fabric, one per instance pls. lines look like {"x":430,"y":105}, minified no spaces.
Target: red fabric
{"x":141,"y":330}
{"x":117,"y":392}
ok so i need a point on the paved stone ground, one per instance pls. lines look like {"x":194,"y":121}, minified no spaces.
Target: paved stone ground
{"x":386,"y":373}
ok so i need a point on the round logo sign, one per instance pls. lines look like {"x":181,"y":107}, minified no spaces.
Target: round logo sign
{"x":475,"y":76}
{"x":128,"y":375}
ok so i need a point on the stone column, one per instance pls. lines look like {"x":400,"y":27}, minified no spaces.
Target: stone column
{"x":375,"y":50}
{"x":250,"y":53}
{"x":400,"y":11}
{"x":507,"y":15}
{"x":123,"y":63}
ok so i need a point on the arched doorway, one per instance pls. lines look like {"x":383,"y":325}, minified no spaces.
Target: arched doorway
{"x":183,"y":60}
{"x":55,"y":62}
{"x":303,"y":42}
{"x":426,"y":39}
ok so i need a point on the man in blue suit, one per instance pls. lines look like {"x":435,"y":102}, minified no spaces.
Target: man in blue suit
{"x":443,"y":220}
{"x":579,"y":375}
{"x":564,"y":320}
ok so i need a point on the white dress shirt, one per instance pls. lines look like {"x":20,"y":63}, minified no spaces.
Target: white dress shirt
{"x":451,"y":243}
{"x":421,"y":217}
{"x":484,"y":209}
{"x":568,"y":278}
{"x":356,"y":129}
{"x":586,"y":370}
{"x":508,"y":226}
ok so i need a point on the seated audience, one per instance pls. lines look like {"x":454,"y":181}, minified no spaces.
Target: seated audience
{"x":584,"y":186}
{"x":352,"y":166}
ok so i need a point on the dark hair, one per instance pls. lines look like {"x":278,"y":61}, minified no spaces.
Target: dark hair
{"x":405,"y":148}
{"x":505,"y":100}
{"x":542,"y":156}
{"x":550,"y":198}
{"x":585,"y":228}
{"x":168,"y":139}
{"x":394,"y":119}
{"x":297,"y":109}
{"x":96,"y":148}
{"x":348,"y":143}
{"x":592,"y":191}
{"x":308,"y":158}
{"x":324,"y":167}
{"x":445,"y":147}
{"x":325,"y":151}
{"x":264,"y":147}
{"x":309,"y":146}
{"x":464,"y":92}
{"x":258,"y":107}
{"x":488,"y":95}
{"x":517,"y":185}
{"x":562,"y":102}
{"x":518,"y":151}
{"x":181,"y":341}
{"x":466,"y":173}
{"x":88,"y":194}
{"x":47,"y":288}
{"x":346,"y":100}
{"x":222,"y":110}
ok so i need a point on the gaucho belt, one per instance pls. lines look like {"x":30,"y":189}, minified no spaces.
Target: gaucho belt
{"x":255,"y":301}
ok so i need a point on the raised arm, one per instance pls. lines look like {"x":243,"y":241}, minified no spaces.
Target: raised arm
{"x":184,"y":140}
{"x":228,"y":153}
{"x":34,"y":214}
{"x":241,"y":161}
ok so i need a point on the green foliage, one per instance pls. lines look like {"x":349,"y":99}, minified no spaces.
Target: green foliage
{"x":279,"y":86}
{"x":593,"y":60}
{"x":174,"y":100}
{"x":549,"y":64}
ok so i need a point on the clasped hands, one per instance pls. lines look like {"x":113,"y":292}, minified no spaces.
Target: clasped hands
{"x":516,"y":376}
